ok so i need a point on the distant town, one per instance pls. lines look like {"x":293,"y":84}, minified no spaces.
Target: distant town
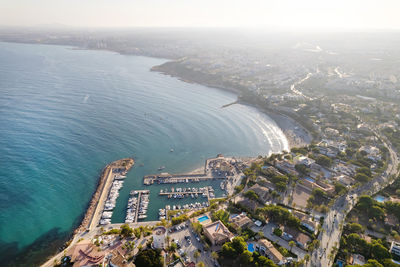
{"x":332,"y":200}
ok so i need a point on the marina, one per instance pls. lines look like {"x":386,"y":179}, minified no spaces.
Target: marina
{"x":137,"y":205}
{"x":206,"y":192}
{"x":118,"y":174}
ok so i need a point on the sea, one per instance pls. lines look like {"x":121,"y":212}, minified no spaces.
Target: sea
{"x":65,"y":113}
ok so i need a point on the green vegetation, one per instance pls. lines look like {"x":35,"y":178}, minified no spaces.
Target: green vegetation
{"x":221,"y":215}
{"x":302,"y":169}
{"x":126,"y":231}
{"x":250,"y":194}
{"x":324,"y":161}
{"x":237,"y":249}
{"x":149,"y":257}
{"x":179,"y":219}
{"x":318,"y":200}
{"x":278,"y":231}
{"x":279,"y":215}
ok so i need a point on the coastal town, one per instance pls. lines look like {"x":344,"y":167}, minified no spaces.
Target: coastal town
{"x":296,"y":208}
{"x":332,"y":200}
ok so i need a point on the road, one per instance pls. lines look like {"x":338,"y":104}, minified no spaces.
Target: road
{"x":267,"y":230}
{"x":332,"y":228}
{"x":189,"y":249}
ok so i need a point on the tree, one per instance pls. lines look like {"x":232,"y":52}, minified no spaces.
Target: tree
{"x":306,"y":257}
{"x":278,"y":231}
{"x":196,"y":255}
{"x":365,"y":202}
{"x":239,"y":244}
{"x":235,"y":248}
{"x":246,"y":257}
{"x":172,"y":247}
{"x":200,"y":264}
{"x":265,"y":262}
{"x":149,"y":257}
{"x":373,"y":263}
{"x":126,"y":231}
{"x":379,"y":252}
{"x":281,"y":186}
{"x":324,"y":161}
{"x":291,"y":245}
{"x":137,"y":232}
{"x":302,"y":169}
{"x":364,"y":170}
{"x":353,"y":228}
{"x":214,"y":255}
{"x":361,"y":177}
{"x":251,"y":195}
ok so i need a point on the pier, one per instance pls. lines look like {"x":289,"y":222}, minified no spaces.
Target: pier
{"x":179,"y":193}
{"x":137,"y":205}
{"x":94,"y":210}
{"x":214,"y":168}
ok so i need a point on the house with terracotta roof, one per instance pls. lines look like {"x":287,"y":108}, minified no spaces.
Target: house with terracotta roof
{"x":240,"y":221}
{"x":271,"y":252}
{"x":299,"y":238}
{"x":217,"y":233}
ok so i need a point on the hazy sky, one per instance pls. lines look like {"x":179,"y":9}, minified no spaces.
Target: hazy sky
{"x":318,"y":14}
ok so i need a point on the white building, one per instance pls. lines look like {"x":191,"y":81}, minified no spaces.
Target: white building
{"x":395,"y":248}
{"x":159,"y":234}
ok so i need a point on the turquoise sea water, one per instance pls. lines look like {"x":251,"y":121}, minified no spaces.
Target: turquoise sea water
{"x":65,"y":114}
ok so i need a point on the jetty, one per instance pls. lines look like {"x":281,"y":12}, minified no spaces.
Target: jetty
{"x":214,"y":168}
{"x":116,"y":169}
{"x":137,"y":205}
{"x":206,"y":192}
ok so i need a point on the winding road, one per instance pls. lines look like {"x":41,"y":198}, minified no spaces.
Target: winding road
{"x":332,"y":227}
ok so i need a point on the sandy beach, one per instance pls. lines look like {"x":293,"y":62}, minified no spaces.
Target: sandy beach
{"x":296,"y":134}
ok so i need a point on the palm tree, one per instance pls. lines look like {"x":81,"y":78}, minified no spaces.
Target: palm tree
{"x":291,"y":245}
{"x":196,"y":255}
{"x":214,"y":255}
{"x":306,"y":257}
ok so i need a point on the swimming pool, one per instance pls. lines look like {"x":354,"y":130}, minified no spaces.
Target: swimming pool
{"x":250,"y":247}
{"x":310,"y":180}
{"x":203,"y":218}
{"x":380,"y":198}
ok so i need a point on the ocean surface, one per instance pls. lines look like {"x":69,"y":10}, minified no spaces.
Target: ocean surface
{"x":66,"y":113}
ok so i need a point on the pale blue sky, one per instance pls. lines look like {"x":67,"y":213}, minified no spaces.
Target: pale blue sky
{"x":364,"y":14}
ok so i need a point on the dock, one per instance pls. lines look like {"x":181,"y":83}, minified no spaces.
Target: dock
{"x":95,"y":208}
{"x":206,"y":191}
{"x":214,"y":168}
{"x":137,"y":205}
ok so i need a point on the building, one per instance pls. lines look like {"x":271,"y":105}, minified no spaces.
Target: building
{"x":271,"y":252}
{"x":217,"y":233}
{"x":306,"y":221}
{"x":261,"y":191}
{"x":240,"y":221}
{"x":248,"y":204}
{"x":299,"y":238}
{"x":159,"y":234}
{"x":357,"y":259}
{"x":395,"y":248}
{"x":303,"y":160}
{"x":345,"y":180}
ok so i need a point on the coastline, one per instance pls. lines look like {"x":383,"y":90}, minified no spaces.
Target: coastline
{"x":95,"y":203}
{"x":296,"y":133}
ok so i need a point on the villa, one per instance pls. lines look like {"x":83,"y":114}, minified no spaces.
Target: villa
{"x":240,"y":221}
{"x":217,"y":233}
{"x":271,"y":252}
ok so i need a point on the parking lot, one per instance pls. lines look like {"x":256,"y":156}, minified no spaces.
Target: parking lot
{"x":190,"y":245}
